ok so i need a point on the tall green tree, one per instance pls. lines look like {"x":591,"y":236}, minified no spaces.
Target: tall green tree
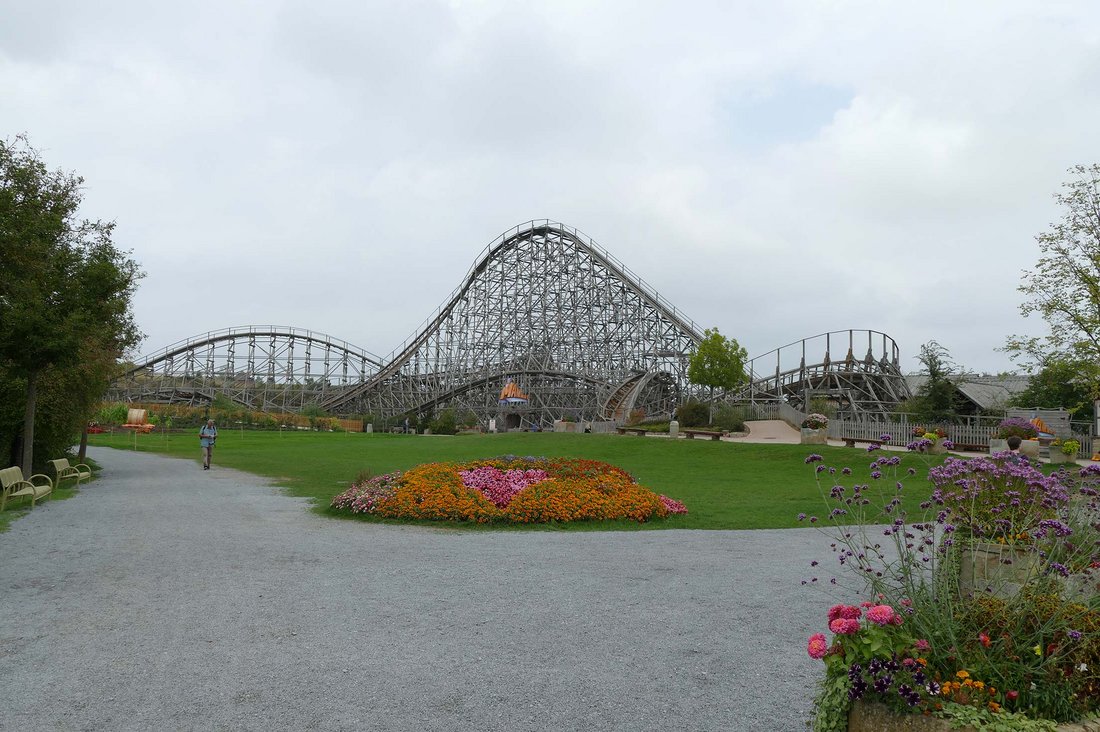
{"x":65,"y":291}
{"x":935,"y":401}
{"x":718,"y":363}
{"x":1064,"y":286}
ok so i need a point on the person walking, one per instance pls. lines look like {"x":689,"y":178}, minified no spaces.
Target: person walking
{"x":207,"y":435}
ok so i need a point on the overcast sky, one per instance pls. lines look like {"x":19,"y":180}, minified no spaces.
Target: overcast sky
{"x":775,"y":169}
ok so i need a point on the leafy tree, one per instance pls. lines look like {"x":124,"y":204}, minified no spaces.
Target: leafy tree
{"x":1059,"y":383}
{"x":935,"y":401}
{"x":718,"y":363}
{"x":65,"y":292}
{"x":1064,"y":286}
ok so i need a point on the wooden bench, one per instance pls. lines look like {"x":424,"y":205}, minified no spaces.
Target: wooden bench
{"x":708,"y":434}
{"x":851,"y":441}
{"x":63,"y":471}
{"x":12,"y":485}
{"x":632,"y":431}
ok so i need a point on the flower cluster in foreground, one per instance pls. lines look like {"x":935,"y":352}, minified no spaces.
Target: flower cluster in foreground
{"x":986,"y":602}
{"x":510,"y":489}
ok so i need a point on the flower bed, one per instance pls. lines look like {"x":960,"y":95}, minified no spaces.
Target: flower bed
{"x":508,"y":489}
{"x":1017,"y":650}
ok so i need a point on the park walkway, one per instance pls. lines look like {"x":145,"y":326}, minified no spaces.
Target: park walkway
{"x":165,"y":597}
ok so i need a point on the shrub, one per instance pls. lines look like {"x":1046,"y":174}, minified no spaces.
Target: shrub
{"x":692,"y":414}
{"x":728,"y":417}
{"x":444,"y":423}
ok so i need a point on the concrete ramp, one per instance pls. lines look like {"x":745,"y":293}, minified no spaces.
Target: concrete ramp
{"x":770,"y":430}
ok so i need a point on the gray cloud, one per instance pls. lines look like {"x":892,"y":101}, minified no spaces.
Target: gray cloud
{"x":775,"y":170}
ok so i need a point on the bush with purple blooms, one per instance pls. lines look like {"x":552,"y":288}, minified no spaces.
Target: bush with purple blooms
{"x":1016,"y":427}
{"x":922,"y":642}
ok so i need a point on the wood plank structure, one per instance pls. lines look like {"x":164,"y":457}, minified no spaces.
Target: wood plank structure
{"x":544,"y":307}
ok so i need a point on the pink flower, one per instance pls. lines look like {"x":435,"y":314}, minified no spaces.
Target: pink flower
{"x":922,"y":645}
{"x":850,"y":612}
{"x":881,"y":615}
{"x":844,"y":626}
{"x":817,"y":647}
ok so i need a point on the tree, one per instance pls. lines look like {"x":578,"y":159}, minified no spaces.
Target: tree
{"x":935,"y":400}
{"x":1064,"y":286}
{"x":1059,"y":383}
{"x":718,"y":363}
{"x":65,"y":293}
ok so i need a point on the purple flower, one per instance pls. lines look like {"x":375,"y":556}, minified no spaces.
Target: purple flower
{"x":814,"y":458}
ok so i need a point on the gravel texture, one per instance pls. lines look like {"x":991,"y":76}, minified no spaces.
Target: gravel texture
{"x":163,"y":597}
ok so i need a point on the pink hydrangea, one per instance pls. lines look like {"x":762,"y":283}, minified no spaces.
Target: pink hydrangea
{"x":851,"y":612}
{"x":817,"y":647}
{"x":844,"y":626}
{"x":881,"y":614}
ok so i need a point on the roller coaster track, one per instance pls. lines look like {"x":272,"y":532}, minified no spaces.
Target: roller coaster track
{"x":796,"y":374}
{"x":264,"y":367}
{"x":543,"y":305}
{"x":539,"y":252}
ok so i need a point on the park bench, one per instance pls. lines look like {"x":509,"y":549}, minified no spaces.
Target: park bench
{"x":708,"y":434}
{"x":632,"y":431}
{"x":63,"y":471}
{"x":851,"y":441}
{"x":12,"y":485}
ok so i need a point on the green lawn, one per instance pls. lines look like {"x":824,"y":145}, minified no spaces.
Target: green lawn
{"x":725,"y":486}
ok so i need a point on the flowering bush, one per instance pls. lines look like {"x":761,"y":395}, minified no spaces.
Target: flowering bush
{"x":519,"y":490}
{"x":994,"y":656}
{"x":1016,"y":427}
{"x":995,"y":499}
{"x":1070,"y":447}
{"x":815,"y":421}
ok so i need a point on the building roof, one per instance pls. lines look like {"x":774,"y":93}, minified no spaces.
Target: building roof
{"x":985,"y":391}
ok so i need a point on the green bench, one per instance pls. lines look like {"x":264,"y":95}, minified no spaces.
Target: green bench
{"x":63,"y":471}
{"x":12,"y":485}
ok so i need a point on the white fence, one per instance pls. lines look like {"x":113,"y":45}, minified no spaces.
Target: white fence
{"x":974,"y":436}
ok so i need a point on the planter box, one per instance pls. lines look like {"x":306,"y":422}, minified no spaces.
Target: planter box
{"x":1030,"y":448}
{"x":875,"y":717}
{"x":1058,"y":457}
{"x":998,"y":569}
{"x":814,"y":437}
{"x":937,"y":448}
{"x":997,"y":445}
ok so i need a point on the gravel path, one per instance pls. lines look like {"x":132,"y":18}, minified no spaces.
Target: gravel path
{"x":164,"y":597}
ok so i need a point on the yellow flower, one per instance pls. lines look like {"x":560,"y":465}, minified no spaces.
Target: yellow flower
{"x":1038,"y":650}
{"x":966,"y":675}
